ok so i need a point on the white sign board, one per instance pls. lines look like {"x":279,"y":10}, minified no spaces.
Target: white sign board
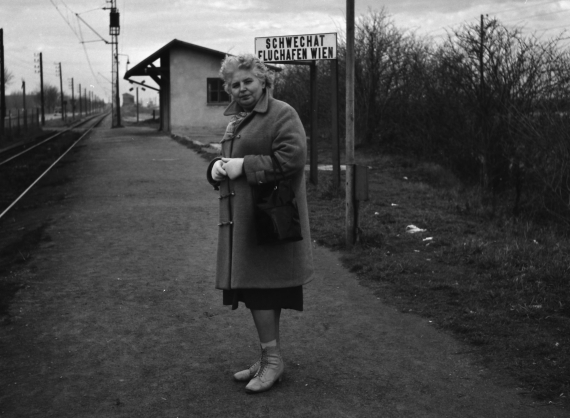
{"x":320,"y":46}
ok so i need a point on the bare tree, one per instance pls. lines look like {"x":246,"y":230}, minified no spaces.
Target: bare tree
{"x":8,"y":76}
{"x":51,"y":97}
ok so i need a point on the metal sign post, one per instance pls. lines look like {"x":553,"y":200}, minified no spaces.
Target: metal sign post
{"x":305,"y":50}
{"x":350,"y":212}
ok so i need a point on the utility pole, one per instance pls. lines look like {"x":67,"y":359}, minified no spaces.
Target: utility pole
{"x":24,"y":103}
{"x":40,"y":69}
{"x":350,"y":168}
{"x":114,"y":29}
{"x":72,"y":99}
{"x":314,"y":172}
{"x":481,"y":68}
{"x":85,"y":98}
{"x":482,"y":107}
{"x":58,"y":70}
{"x":137,"y":105}
{"x":2,"y":84}
{"x":80,"y":101}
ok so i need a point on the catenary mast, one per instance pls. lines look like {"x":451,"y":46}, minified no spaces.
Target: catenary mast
{"x":114,"y":29}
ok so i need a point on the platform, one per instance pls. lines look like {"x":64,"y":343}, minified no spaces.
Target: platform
{"x":120,"y":317}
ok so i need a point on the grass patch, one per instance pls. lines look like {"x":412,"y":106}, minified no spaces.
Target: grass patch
{"x":497,"y":283}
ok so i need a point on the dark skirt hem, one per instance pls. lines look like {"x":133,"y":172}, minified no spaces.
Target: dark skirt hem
{"x":265,"y":299}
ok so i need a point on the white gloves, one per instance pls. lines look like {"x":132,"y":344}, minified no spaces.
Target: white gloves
{"x":230,"y":167}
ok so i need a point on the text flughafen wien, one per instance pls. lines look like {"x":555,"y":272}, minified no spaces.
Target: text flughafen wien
{"x":296,"y":47}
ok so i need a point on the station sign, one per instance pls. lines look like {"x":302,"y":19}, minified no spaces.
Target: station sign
{"x":321,"y":46}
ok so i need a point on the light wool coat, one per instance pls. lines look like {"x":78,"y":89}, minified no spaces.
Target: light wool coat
{"x":275,"y":126}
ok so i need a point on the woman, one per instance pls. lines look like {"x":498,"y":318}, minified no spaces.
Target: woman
{"x":266,"y":278}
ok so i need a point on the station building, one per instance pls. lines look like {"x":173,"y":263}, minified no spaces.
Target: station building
{"x":191,"y":93}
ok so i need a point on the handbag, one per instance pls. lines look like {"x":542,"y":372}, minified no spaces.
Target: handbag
{"x":276,"y":212}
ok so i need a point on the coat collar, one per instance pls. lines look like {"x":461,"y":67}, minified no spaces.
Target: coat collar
{"x":261,"y":106}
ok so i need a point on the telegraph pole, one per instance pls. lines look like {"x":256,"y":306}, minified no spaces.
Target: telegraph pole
{"x":41,"y":71}
{"x":24,"y":102}
{"x":58,"y":69}
{"x":2,"y":84}
{"x":350,"y":169}
{"x":481,"y":68}
{"x":72,"y":100}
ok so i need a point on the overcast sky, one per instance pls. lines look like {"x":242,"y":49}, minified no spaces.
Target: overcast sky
{"x":51,"y":27}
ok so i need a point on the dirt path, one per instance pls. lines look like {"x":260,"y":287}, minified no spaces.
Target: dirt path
{"x":120,"y":317}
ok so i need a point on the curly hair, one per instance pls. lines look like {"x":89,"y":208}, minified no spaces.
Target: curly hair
{"x":245,"y":62}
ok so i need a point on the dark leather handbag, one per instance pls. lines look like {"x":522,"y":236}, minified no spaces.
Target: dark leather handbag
{"x":276,"y":211}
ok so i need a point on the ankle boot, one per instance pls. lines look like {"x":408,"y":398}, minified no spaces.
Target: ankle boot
{"x":247,"y":374}
{"x":270,"y":371}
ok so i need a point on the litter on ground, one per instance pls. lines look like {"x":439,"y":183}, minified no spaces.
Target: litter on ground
{"x":412,"y":229}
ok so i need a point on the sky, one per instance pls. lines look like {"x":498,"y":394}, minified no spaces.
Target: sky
{"x":54,"y":28}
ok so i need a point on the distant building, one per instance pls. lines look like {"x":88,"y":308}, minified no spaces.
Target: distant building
{"x":128,"y":100}
{"x":191,"y":94}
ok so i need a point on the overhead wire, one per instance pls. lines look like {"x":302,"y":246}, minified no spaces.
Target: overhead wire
{"x":63,"y":17}
{"x":87,"y":56}
{"x":539,"y":15}
{"x":504,"y":11}
{"x":79,"y":34}
{"x":526,"y":7}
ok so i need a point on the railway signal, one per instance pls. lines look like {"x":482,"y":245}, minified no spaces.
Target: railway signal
{"x":114,"y":30}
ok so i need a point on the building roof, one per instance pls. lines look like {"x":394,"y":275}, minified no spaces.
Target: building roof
{"x":140,"y":68}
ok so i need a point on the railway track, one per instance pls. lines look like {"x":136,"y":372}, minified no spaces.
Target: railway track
{"x":8,"y":154}
{"x":21,"y":168}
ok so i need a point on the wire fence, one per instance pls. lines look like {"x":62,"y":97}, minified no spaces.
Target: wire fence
{"x":19,"y":122}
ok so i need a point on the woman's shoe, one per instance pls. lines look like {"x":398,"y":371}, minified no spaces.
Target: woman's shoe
{"x":247,"y":374}
{"x":270,"y":371}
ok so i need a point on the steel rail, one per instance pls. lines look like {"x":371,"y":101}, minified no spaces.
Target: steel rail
{"x":49,"y":168}
{"x":46,"y":140}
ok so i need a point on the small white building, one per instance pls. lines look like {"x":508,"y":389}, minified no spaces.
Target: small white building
{"x":191,"y":93}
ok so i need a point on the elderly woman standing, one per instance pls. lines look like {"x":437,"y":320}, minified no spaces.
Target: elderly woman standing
{"x":266,"y":278}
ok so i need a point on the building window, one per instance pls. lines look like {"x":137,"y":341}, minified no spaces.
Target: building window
{"x":216,"y":92}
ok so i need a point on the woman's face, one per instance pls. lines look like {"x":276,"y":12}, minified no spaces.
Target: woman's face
{"x":246,"y":88}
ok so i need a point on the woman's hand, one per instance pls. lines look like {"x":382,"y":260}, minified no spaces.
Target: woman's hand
{"x":218,"y":172}
{"x":233,"y":167}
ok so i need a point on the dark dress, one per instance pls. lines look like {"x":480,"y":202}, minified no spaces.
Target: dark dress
{"x":266,"y":299}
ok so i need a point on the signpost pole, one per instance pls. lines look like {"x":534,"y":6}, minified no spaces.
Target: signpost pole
{"x":350,"y":212}
{"x":334,"y":125}
{"x":314,"y":174}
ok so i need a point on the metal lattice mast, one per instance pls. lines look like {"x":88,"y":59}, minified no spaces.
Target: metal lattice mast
{"x":114,"y":29}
